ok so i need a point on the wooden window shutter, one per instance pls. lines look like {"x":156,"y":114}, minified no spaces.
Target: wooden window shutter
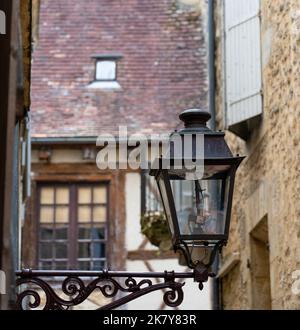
{"x":243,"y":73}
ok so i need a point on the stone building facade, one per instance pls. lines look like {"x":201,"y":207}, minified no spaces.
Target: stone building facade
{"x":98,"y":65}
{"x":259,"y":265}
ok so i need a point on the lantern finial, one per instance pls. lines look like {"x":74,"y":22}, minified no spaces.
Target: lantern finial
{"x":195,"y":118}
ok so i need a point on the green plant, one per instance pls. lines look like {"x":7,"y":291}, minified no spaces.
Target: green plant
{"x":154,"y":226}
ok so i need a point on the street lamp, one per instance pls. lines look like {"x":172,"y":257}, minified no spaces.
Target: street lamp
{"x":195,"y":179}
{"x":197,"y":200}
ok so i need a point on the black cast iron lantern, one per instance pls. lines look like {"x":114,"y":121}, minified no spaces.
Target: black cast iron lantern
{"x":197,"y":200}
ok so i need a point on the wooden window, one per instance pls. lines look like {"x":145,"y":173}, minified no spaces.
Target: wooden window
{"x":72,"y":221}
{"x":150,"y":198}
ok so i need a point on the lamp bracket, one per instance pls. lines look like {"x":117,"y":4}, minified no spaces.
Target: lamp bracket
{"x":118,"y":287}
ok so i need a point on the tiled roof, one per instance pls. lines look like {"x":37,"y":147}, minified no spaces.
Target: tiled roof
{"x":162,"y":70}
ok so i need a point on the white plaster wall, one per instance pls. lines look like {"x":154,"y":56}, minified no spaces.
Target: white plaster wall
{"x":194,"y":299}
{"x":133,"y":210}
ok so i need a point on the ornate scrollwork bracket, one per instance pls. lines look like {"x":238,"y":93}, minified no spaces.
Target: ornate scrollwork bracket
{"x":119,"y":287}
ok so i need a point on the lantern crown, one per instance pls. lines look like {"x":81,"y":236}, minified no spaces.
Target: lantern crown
{"x":195,"y":118}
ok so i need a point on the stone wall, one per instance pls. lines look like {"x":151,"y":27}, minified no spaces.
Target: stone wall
{"x":268,"y":184}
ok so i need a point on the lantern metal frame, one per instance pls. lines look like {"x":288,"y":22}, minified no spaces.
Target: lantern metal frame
{"x":216,"y":152}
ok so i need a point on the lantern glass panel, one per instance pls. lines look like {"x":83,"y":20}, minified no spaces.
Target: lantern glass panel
{"x":165,"y":199}
{"x":201,"y":205}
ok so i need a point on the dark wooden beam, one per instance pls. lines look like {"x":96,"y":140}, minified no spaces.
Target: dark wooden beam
{"x":150,"y":255}
{"x":8,"y":94}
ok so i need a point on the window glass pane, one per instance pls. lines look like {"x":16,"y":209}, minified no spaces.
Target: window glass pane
{"x":84,"y":195}
{"x":46,"y":265}
{"x":46,"y":251}
{"x":106,"y":70}
{"x":84,"y":265}
{"x":62,"y":214}
{"x":84,"y":233}
{"x":61,"y":251}
{"x":62,"y":195}
{"x":61,"y":233}
{"x":99,"y":195}
{"x":98,"y":265}
{"x":61,"y":265}
{"x":47,"y":195}
{"x":98,"y":250}
{"x":99,"y":214}
{"x":98,"y":233}
{"x":46,"y":214}
{"x":84,"y":214}
{"x":84,"y":250}
{"x":46,"y":233}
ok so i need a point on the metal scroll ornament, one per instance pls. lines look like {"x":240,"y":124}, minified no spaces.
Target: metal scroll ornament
{"x":107,"y":283}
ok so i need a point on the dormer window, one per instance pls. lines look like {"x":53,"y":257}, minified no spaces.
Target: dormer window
{"x":105,"y":76}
